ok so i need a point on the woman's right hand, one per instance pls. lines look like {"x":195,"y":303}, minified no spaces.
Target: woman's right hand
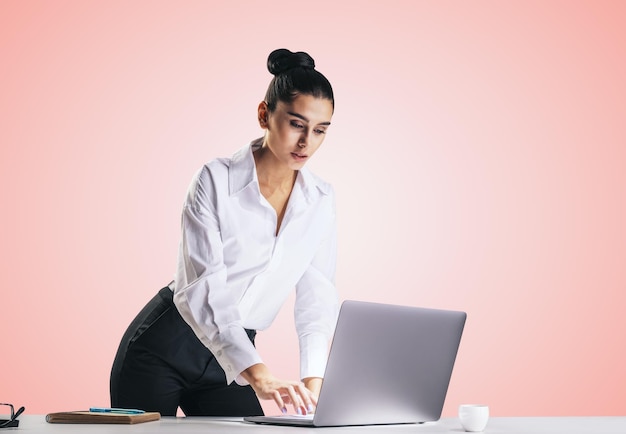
{"x":282,"y":392}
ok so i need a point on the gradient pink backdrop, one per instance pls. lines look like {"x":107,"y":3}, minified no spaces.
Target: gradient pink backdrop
{"x":478,"y":150}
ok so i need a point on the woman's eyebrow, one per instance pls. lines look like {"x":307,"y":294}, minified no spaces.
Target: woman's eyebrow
{"x":298,"y":115}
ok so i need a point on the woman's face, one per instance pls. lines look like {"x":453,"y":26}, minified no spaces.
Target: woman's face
{"x":294,"y":131}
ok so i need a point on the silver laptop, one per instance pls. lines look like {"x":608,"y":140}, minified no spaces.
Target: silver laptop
{"x":387,"y":364}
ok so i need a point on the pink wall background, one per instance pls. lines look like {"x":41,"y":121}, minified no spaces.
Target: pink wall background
{"x":478,"y":150}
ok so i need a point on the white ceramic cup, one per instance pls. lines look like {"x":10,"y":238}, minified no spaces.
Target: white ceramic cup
{"x":473,"y":417}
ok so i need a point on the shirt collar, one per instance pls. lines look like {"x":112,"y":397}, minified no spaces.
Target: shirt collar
{"x":242,"y":173}
{"x":311,"y":186}
{"x":242,"y":170}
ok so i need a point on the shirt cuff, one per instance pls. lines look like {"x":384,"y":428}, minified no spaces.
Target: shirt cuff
{"x":235,"y":353}
{"x":313,"y":355}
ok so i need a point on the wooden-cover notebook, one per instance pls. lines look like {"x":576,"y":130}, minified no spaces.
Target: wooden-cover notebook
{"x":92,"y":417}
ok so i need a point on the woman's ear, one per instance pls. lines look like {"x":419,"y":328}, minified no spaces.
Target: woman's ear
{"x":263,"y":114}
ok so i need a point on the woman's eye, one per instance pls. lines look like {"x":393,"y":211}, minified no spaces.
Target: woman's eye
{"x":318,"y":131}
{"x":296,"y":124}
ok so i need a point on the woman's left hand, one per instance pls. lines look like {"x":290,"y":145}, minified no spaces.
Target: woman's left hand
{"x":314,"y":384}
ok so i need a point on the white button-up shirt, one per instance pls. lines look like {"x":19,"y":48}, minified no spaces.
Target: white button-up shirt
{"x":235,"y":273}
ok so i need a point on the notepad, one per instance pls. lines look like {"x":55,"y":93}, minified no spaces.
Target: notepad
{"x":98,"y":418}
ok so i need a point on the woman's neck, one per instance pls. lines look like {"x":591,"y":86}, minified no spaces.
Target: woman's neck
{"x":271,"y":173}
{"x":275,"y":182}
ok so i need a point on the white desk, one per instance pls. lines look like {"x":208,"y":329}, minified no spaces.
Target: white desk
{"x":205,"y":425}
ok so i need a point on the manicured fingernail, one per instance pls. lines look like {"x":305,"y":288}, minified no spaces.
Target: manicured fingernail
{"x":310,"y":407}
{"x":299,"y":411}
{"x":284,"y":410}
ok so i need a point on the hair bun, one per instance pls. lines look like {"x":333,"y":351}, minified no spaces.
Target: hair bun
{"x":282,"y":60}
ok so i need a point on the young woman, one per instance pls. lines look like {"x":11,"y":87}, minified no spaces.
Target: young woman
{"x":254,"y":227}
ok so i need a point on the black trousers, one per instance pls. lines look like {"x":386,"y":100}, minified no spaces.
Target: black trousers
{"x":161,"y":365}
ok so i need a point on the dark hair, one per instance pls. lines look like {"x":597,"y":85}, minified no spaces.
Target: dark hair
{"x":295,"y":74}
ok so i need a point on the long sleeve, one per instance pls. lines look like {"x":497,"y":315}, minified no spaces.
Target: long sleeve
{"x":202,"y":295}
{"x":316,"y":307}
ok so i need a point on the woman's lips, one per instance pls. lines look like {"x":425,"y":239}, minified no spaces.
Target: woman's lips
{"x":298,"y":157}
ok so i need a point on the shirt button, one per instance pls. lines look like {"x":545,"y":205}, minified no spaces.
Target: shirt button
{"x":219,"y":353}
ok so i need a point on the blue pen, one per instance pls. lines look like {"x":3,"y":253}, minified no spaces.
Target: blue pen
{"x":115,"y":410}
